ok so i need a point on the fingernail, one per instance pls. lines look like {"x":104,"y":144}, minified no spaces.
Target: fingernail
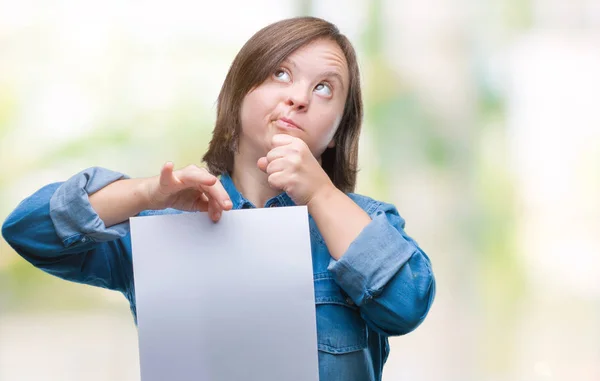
{"x":226,"y":203}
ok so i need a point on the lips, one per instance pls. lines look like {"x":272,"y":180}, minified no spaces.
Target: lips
{"x":287,"y":123}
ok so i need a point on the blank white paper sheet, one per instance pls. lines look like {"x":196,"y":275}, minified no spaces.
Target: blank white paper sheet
{"x":225,"y":301}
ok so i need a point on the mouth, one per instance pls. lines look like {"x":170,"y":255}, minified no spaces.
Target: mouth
{"x":287,"y":124}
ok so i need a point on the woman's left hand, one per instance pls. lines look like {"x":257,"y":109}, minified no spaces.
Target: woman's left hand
{"x":293,"y":169}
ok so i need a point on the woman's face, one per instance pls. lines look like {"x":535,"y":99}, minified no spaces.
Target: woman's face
{"x":304,"y":98}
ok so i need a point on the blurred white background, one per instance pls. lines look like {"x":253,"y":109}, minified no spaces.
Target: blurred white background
{"x":482,"y":125}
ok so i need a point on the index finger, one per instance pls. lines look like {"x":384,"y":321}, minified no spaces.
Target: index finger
{"x":219,"y":194}
{"x":194,"y":176}
{"x":281,"y":140}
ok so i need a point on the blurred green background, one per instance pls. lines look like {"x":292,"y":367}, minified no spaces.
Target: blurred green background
{"x":482,"y":125}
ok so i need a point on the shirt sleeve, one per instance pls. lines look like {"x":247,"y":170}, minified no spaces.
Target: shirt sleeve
{"x":72,"y":214}
{"x":386,"y":274}
{"x":57,"y":230}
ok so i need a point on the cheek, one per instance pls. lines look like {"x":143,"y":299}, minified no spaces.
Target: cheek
{"x":334,"y":126}
{"x":255,"y":110}
{"x":328,"y":125}
{"x":248,"y":112}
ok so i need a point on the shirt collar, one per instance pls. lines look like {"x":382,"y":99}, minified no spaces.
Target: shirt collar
{"x":240,"y":202}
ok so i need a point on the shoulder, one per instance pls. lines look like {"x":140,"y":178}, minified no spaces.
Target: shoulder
{"x":376,"y":207}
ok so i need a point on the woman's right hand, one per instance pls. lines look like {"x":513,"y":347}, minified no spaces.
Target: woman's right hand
{"x":191,"y":189}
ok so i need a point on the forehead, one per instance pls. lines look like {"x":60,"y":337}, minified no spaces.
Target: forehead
{"x":320,"y":56}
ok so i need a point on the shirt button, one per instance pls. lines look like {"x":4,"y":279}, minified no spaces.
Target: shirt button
{"x":84,"y":239}
{"x":350,"y":301}
{"x":273,"y":205}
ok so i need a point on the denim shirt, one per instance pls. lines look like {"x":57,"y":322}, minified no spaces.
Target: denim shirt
{"x":382,"y":286}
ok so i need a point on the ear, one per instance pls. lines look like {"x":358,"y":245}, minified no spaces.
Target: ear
{"x":331,"y":143}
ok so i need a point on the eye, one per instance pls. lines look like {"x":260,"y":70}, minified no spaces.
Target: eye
{"x":324,"y":89}
{"x":282,"y":75}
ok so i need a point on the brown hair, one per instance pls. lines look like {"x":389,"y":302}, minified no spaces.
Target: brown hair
{"x":256,"y":61}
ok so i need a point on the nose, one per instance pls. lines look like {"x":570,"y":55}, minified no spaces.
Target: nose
{"x":298,"y":98}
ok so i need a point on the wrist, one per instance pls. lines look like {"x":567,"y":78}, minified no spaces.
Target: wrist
{"x":144,"y":189}
{"x":322,"y":197}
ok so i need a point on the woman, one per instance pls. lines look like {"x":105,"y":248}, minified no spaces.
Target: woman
{"x":288,"y":123}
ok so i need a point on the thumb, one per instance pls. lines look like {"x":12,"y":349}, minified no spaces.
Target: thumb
{"x":166,"y":174}
{"x":262,"y":164}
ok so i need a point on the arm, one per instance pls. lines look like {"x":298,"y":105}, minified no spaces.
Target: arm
{"x":382,"y":269}
{"x":120,"y":200}
{"x":57,"y":230}
{"x":79,"y":230}
{"x":339,"y":219}
{"x":373,"y":260}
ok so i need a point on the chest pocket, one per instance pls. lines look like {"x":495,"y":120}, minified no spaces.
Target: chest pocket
{"x":340,"y":328}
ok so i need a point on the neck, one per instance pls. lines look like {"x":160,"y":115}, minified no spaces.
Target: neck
{"x":251,"y":182}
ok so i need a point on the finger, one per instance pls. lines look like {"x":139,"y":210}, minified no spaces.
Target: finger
{"x":193,"y":176}
{"x":262,"y":164}
{"x":210,"y":208}
{"x":204,"y":198}
{"x":276,"y":165}
{"x":219,"y":194}
{"x":166,"y":174}
{"x":202,"y":203}
{"x":276,"y":181}
{"x":281,"y":140}
{"x":214,"y":209}
{"x":277,"y":153}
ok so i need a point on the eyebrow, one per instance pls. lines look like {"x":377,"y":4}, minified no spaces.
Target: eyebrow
{"x":333,"y":74}
{"x":326,"y":74}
